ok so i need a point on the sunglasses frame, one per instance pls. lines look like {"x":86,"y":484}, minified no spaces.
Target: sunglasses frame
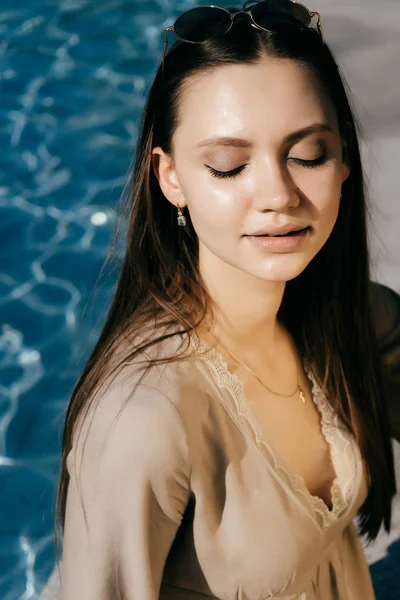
{"x":232,"y":16}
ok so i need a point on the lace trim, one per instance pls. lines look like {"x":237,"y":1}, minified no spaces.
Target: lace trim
{"x":330,"y":426}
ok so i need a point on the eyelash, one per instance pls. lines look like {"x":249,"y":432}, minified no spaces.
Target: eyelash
{"x":310,"y":164}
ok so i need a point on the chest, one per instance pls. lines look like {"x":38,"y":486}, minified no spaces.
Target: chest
{"x":294,"y":431}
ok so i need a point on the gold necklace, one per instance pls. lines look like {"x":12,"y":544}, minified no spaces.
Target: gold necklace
{"x":298,"y":389}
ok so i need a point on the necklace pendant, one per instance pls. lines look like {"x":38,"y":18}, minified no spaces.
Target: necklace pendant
{"x":302,"y":397}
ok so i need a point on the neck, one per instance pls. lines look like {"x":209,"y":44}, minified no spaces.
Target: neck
{"x":243,"y":311}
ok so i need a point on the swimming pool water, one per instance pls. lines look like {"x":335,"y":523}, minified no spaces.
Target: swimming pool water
{"x":73,"y":78}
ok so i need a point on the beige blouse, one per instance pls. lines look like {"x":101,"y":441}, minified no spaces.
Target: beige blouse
{"x":187,"y":498}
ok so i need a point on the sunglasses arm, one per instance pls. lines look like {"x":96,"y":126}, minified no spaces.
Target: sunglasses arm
{"x":173,"y":29}
{"x":319,"y":25}
{"x":165,"y":46}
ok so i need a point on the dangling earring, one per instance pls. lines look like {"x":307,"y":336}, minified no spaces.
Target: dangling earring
{"x":181,"y":218}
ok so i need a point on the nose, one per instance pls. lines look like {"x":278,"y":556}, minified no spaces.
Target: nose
{"x":275,"y":189}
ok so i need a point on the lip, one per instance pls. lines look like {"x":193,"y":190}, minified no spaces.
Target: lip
{"x":278,"y":230}
{"x":278,"y":244}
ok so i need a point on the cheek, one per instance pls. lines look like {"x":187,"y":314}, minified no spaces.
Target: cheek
{"x":324,"y":190}
{"x":325,"y":214}
{"x":215,"y":211}
{"x":328,"y":200}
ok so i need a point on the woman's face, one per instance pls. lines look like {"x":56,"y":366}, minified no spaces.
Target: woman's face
{"x":234,"y":187}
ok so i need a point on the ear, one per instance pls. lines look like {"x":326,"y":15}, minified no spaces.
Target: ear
{"x":165,"y":172}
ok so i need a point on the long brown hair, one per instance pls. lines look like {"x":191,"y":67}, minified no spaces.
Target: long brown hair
{"x":327,"y":308}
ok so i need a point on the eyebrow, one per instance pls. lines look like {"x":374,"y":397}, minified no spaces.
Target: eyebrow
{"x":242,"y":143}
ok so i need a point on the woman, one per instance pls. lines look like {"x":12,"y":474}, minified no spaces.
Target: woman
{"x":236,"y":413}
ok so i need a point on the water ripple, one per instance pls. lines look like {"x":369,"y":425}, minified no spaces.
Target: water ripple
{"x":73,"y":80}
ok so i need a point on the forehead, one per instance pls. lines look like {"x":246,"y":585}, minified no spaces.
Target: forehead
{"x":266,"y":100}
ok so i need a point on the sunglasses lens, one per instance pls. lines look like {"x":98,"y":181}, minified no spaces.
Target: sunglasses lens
{"x":281,"y":15}
{"x":198,"y":24}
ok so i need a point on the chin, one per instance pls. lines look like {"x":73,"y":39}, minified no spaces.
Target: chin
{"x":283,"y":267}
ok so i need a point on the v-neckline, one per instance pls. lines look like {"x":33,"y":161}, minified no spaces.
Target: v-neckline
{"x":329,"y":424}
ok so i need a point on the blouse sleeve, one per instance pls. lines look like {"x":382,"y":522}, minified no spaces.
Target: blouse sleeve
{"x":133,"y":479}
{"x":386,"y":313}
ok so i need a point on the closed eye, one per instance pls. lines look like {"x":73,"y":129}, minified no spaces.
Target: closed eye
{"x":320,"y":160}
{"x":316,"y":162}
{"x":225,"y":174}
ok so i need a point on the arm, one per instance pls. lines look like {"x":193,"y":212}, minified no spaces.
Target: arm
{"x":134,"y":482}
{"x":386,"y":313}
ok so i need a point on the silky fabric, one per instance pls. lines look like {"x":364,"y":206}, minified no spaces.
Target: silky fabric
{"x":186,"y":498}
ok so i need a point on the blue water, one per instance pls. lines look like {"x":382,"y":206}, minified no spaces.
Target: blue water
{"x":73,"y":79}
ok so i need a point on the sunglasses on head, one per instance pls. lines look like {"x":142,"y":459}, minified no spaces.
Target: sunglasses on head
{"x":281,"y":16}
